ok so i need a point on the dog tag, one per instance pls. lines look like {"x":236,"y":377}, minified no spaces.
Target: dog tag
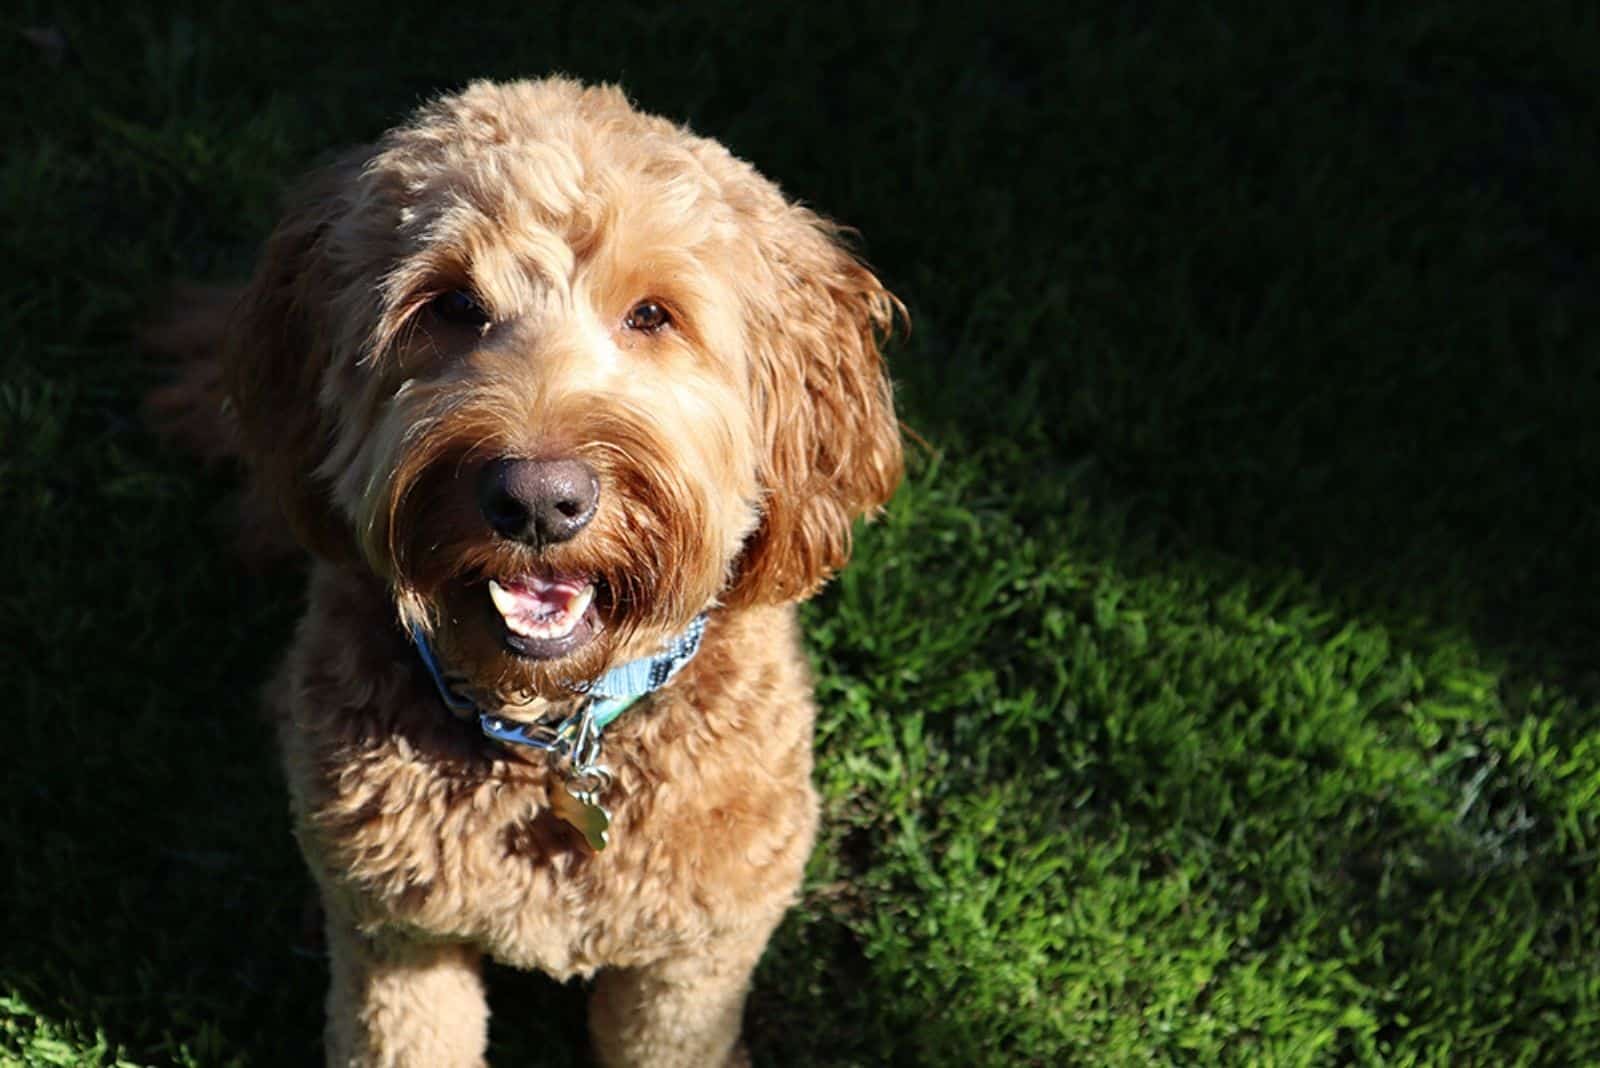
{"x":582,"y":813}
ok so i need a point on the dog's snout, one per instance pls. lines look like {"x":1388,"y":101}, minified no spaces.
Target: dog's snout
{"x":539,"y":502}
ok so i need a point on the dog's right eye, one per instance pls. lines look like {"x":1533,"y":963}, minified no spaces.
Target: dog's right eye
{"x":460,"y":308}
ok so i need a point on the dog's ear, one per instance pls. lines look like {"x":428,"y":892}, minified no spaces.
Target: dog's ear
{"x":825,"y":408}
{"x":276,"y":353}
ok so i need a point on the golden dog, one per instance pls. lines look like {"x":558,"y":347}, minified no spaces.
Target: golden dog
{"x":571,"y":407}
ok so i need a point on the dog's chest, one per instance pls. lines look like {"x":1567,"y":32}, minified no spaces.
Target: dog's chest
{"x":409,"y":824}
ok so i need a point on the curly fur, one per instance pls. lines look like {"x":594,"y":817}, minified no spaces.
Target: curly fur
{"x":733,"y":450}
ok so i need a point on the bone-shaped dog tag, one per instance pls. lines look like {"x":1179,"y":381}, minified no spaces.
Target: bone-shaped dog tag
{"x":583,"y":813}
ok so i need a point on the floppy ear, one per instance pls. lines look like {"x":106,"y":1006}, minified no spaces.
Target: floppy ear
{"x":825,"y":407}
{"x":276,"y":352}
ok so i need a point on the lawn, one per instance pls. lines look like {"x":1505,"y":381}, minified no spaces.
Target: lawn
{"x":1222,"y":686}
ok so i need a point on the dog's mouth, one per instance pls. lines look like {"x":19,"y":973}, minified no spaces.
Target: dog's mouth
{"x":545,"y":618}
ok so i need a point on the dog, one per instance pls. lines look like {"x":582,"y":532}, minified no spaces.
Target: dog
{"x":570,"y":408}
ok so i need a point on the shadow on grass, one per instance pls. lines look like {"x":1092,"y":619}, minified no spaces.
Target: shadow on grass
{"x":1332,"y":312}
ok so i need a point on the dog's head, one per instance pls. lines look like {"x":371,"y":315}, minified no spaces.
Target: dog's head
{"x":563,"y":375}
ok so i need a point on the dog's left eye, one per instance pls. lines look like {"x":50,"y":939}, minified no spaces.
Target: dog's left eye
{"x":459,"y":308}
{"x":648,"y":316}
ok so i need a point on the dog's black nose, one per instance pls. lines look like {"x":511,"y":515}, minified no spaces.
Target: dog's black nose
{"x":540,"y":502}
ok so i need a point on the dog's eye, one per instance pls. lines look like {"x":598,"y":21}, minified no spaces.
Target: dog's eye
{"x":459,"y":308}
{"x":648,"y":316}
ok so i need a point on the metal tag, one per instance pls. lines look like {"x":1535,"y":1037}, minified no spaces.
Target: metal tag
{"x":582,"y":812}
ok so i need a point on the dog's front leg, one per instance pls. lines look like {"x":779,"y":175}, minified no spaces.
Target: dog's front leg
{"x":682,"y":1012}
{"x":397,"y":1003}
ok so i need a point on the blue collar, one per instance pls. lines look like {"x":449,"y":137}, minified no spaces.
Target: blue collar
{"x":577,"y":737}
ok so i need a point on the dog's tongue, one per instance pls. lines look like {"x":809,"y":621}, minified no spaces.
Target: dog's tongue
{"x":539,"y":596}
{"x":541,"y":608}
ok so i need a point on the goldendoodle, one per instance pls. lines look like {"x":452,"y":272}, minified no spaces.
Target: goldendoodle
{"x":570,"y":407}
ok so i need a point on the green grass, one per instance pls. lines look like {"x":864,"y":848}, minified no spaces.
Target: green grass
{"x":1222,"y":687}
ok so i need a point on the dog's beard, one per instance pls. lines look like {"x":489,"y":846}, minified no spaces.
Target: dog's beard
{"x":512,"y":622}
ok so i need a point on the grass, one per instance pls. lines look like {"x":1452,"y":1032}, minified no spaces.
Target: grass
{"x":1221,"y":688}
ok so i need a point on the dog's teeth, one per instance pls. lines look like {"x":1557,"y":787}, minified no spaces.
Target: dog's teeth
{"x":535,"y":616}
{"x":505,"y":602}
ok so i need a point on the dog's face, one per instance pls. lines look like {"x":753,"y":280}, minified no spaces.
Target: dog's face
{"x":564,"y":375}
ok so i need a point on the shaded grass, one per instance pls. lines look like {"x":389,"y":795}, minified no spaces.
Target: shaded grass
{"x":1220,"y":689}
